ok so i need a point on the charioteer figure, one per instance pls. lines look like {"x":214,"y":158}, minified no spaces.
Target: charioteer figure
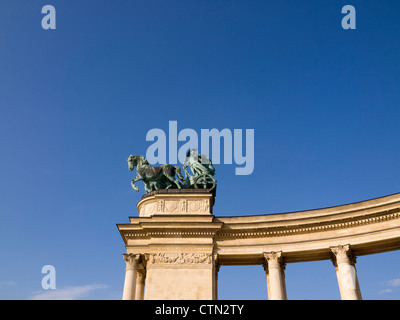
{"x":202,"y":169}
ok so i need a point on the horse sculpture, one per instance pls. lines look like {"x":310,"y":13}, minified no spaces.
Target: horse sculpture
{"x":154,"y":178}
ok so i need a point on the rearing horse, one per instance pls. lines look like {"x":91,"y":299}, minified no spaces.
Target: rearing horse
{"x":154,"y":178}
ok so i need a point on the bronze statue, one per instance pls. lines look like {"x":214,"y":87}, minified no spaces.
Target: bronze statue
{"x":202,"y":169}
{"x":154,"y":178}
{"x":163,"y":177}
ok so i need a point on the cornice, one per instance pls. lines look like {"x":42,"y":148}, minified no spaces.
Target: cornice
{"x":370,"y":227}
{"x":228,"y":231}
{"x":254,"y":231}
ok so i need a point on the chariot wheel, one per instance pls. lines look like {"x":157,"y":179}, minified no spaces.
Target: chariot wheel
{"x":203,"y":181}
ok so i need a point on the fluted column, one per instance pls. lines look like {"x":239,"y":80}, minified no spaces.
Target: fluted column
{"x":344,"y":262}
{"x":132,"y":261}
{"x":274,"y":268}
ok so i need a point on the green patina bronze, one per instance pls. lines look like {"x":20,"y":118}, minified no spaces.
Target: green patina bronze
{"x":164,"y":176}
{"x":202,"y":171}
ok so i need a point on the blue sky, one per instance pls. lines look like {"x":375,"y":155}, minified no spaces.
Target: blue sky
{"x":76,"y":101}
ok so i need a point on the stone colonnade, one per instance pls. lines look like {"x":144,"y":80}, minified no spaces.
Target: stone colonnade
{"x":274,"y":266}
{"x":177,"y":245}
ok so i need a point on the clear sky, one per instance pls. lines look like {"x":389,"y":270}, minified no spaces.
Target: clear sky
{"x":324,"y":104}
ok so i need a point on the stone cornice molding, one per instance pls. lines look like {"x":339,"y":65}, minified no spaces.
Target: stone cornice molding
{"x":303,"y":227}
{"x":174,"y":226}
{"x":267,"y":228}
{"x":369,"y":227}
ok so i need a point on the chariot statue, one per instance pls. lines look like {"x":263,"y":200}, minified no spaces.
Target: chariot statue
{"x":202,"y":169}
{"x":167,"y":176}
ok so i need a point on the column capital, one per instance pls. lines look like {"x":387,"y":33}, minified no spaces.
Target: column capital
{"x":342,"y":254}
{"x":132,"y":260}
{"x":273,"y":260}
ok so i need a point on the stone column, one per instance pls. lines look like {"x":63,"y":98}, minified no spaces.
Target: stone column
{"x":216,"y":270}
{"x":346,"y":272}
{"x":265,"y":266}
{"x":140,"y":281}
{"x":274,"y":268}
{"x":283,"y":267}
{"x":132,"y":261}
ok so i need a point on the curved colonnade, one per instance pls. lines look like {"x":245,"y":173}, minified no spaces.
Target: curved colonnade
{"x":177,"y":237}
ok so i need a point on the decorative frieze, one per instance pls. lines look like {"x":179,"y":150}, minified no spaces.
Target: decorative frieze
{"x":178,"y":258}
{"x":185,"y":204}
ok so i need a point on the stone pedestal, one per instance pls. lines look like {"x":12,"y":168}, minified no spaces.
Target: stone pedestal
{"x":176,"y":202}
{"x":183,"y":275}
{"x":174,"y":237}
